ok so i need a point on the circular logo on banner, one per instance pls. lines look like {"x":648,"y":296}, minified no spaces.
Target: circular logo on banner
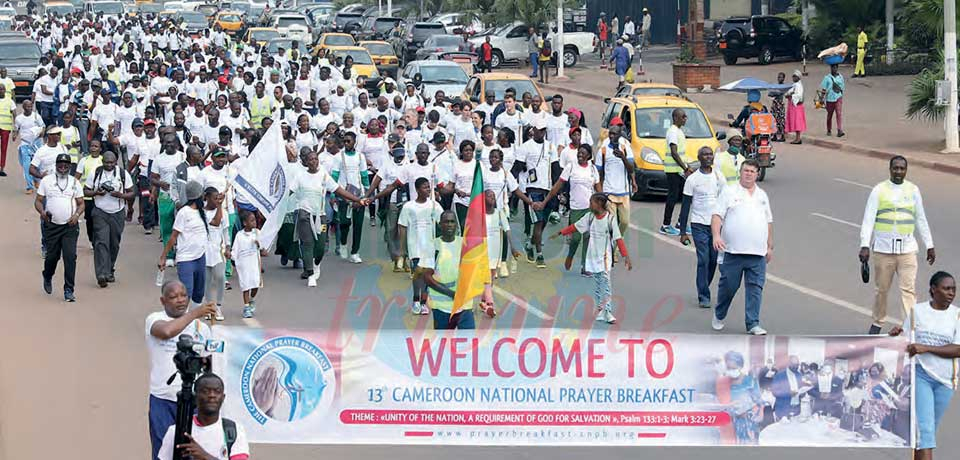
{"x":278,"y":183}
{"x":287,"y":379}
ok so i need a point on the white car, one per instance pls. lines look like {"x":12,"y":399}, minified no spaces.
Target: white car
{"x":446,"y":76}
{"x":293,"y":26}
{"x":451,"y":22}
{"x":510,"y":44}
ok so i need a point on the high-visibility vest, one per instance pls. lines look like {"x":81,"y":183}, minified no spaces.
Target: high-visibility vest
{"x":69,"y":135}
{"x":896,"y":215}
{"x":260,"y":108}
{"x":114,"y":77}
{"x":7,"y":107}
{"x":669,"y":164}
{"x":729,"y":166}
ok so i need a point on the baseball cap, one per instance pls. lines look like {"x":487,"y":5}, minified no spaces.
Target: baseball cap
{"x":616,"y":121}
{"x":194,"y":190}
{"x":64,"y":158}
{"x":55,"y":130}
{"x":105,"y":91}
{"x":439,"y":137}
{"x":219,"y":152}
{"x":398,"y":152}
{"x":149,"y":122}
{"x":540,"y":123}
{"x":224,"y":130}
{"x":137,"y":122}
{"x":223,"y":79}
{"x":393,"y":137}
{"x":733,"y":132}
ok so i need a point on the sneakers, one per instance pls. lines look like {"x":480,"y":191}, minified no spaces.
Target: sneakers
{"x":247,"y":311}
{"x":419,"y":309}
{"x":355,"y":259}
{"x":669,"y":230}
{"x":606,"y":316}
{"x":540,"y":262}
{"x":102,"y":282}
{"x":342,"y":251}
{"x":111,"y":278}
{"x":567,"y":263}
{"x":48,"y":285}
{"x":757,"y":330}
{"x":69,"y":297}
{"x":601,"y":315}
{"x":219,"y":315}
{"x":169,"y":263}
{"x":874,"y":329}
{"x":717,"y":324}
{"x":312,"y":280}
{"x":529,"y":251}
{"x":306,"y":274}
{"x":148,"y":231}
{"x":398,"y":265}
{"x":503,"y":271}
{"x":704,"y":305}
{"x":227,"y":286}
{"x":283,"y":260}
{"x":406,"y":265}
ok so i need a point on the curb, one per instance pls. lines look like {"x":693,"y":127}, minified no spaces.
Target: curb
{"x":812,"y":140}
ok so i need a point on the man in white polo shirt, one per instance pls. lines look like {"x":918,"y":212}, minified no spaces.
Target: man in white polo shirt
{"x":742,"y":227}
{"x":59,"y":202}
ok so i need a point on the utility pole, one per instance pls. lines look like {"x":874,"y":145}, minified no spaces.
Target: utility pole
{"x":805,"y":14}
{"x":889,"y":14}
{"x":950,"y":68}
{"x":560,"y":50}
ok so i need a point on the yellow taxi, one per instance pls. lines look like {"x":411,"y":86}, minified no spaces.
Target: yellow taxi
{"x":333,"y":40}
{"x":650,"y":89}
{"x":646,"y":120}
{"x":230,"y":21}
{"x":383,"y":55}
{"x":362,"y":62}
{"x":499,"y":82}
{"x":261,"y":35}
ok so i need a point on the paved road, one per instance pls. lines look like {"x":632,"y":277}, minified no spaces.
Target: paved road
{"x":79,"y":370}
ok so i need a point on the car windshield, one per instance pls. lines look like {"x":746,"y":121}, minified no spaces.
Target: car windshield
{"x":61,"y":9}
{"x":424,"y":31}
{"x":150,"y":8}
{"x":20,"y":50}
{"x":245,"y":7}
{"x":108,"y":8}
{"x":263,"y":35}
{"x":379,"y":49}
{"x":338,"y":40}
{"x":653,"y":123}
{"x":657,"y":92}
{"x":361,"y":57}
{"x":230,"y":18}
{"x":290,"y":21}
{"x":192,"y":16}
{"x":382,"y":25}
{"x":344,"y":18}
{"x":499,"y":87}
{"x":443,"y":74}
{"x":447,"y":40}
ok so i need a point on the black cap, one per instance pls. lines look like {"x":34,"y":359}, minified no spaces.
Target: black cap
{"x":398,"y":152}
{"x":393,"y":137}
{"x":137,"y":122}
{"x":439,"y":137}
{"x":64,"y":158}
{"x":224,"y":130}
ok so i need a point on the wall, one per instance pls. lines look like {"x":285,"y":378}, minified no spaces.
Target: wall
{"x":722,"y":9}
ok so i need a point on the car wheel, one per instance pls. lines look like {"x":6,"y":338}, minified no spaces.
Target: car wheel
{"x":762,"y":175}
{"x":766,"y":55}
{"x":496,"y":59}
{"x":729,"y":60}
{"x":570,"y":57}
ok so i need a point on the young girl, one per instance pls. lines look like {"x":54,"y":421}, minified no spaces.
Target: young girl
{"x":246,"y":253}
{"x":217,"y":252}
{"x":603,"y":231}
{"x":497,"y":222}
{"x":417,"y":229}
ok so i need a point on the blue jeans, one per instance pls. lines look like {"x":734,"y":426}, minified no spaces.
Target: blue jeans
{"x":26,"y":152}
{"x":706,"y":260}
{"x":932,"y":399}
{"x":534,"y":58}
{"x":193,"y":275}
{"x":753,"y":270}
{"x":462,"y":320}
{"x":162,"y":415}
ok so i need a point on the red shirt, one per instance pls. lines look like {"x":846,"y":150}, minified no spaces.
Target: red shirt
{"x":487,"y":51}
{"x":603,"y":30}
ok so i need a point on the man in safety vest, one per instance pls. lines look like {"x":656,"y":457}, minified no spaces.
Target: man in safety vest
{"x":728,"y":162}
{"x":894,"y":210}
{"x":261,"y":106}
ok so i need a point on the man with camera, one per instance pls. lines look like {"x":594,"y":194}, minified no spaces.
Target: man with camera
{"x":110,"y":188}
{"x":212,"y":437}
{"x":163,"y":329}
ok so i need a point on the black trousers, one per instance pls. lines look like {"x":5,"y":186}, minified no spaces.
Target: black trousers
{"x":107,"y":230}
{"x":61,"y":241}
{"x":148,"y":211}
{"x":675,"y":183}
{"x":88,"y":208}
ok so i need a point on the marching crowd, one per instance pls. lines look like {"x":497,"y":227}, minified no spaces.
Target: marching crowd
{"x":133,"y":119}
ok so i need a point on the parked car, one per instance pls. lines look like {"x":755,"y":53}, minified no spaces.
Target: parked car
{"x":332,"y":40}
{"x":149,"y":8}
{"x":444,"y":76}
{"x":510,"y":44}
{"x":761,"y":37}
{"x":294,"y":26}
{"x":230,"y":21}
{"x":194,"y":22}
{"x":209,"y":11}
{"x":378,"y":28}
{"x":441,"y":44}
{"x":411,"y":38}
{"x":61,"y":8}
{"x":382,"y":53}
{"x":20,"y":55}
{"x":362,"y":62}
{"x":115,"y":9}
{"x":649,"y":89}
{"x":287,"y":44}
{"x":452,"y":23}
{"x":499,"y":82}
{"x":353,"y":8}
{"x":261,"y":35}
{"x":346,"y":22}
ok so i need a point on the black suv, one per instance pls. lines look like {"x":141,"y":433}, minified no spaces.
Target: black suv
{"x":412,"y":37}
{"x":762,"y":37}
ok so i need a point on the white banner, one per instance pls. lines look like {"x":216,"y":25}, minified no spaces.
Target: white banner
{"x":263,"y":179}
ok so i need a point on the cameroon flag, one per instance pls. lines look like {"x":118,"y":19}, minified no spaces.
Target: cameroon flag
{"x":474,"y":261}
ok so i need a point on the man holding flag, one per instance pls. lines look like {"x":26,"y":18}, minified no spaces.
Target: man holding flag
{"x":461,"y":267}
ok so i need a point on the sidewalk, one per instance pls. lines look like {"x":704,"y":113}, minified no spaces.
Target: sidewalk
{"x":872,"y":112}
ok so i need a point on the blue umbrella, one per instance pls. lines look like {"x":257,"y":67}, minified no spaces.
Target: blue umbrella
{"x":748,"y":84}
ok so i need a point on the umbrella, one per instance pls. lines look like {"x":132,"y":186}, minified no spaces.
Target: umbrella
{"x":744,"y":85}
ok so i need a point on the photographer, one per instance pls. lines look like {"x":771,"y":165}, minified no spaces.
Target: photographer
{"x":210,"y":433}
{"x":163,"y":329}
{"x":110,"y":188}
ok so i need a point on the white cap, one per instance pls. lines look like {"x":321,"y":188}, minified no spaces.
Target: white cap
{"x":540,"y":123}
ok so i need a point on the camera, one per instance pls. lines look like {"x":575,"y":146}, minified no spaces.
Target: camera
{"x":188,"y":360}
{"x":106,"y":187}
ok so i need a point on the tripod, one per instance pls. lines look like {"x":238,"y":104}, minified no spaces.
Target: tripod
{"x":185,"y":409}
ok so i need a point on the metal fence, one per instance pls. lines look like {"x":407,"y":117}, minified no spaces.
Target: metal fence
{"x":905,"y":61}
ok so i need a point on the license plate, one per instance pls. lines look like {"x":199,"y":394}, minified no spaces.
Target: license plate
{"x":21,"y":83}
{"x":723,"y":46}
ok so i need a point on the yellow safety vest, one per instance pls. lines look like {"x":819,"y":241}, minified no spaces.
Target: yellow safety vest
{"x":68,"y":136}
{"x":669,"y":164}
{"x":114,"y":77}
{"x":260,"y":108}
{"x":729,"y":166}
{"x":896,"y":215}
{"x":7,"y":107}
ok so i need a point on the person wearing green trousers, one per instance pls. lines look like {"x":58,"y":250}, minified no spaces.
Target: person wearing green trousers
{"x":163,"y":178}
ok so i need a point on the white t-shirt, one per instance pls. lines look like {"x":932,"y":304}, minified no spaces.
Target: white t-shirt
{"x":311,"y":190}
{"x":558,"y":128}
{"x":935,"y":328}
{"x":615,"y":180}
{"x":745,"y":218}
{"x":192,"y":242}
{"x":582,"y":180}
{"x":61,"y":196}
{"x":420,"y":220}
{"x":45,"y":158}
{"x":513,"y":122}
{"x":162,"y":351}
{"x":121,"y":182}
{"x":413,"y":171}
{"x":211,"y":439}
{"x":675,"y":136}
{"x":538,"y":157}
{"x":463,"y":180}
{"x":389,"y":173}
{"x":165,"y":166}
{"x":349,"y":167}
{"x":28,"y":127}
{"x":603,"y":232}
{"x":501,"y":182}
{"x":703,"y":190}
{"x":215,"y":237}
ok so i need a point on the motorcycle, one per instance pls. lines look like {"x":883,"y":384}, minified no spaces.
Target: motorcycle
{"x":758,"y":131}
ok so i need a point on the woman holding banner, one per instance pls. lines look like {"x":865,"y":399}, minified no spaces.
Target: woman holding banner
{"x":737,"y":389}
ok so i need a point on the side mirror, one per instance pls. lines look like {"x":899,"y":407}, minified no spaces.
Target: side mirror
{"x":721,"y":136}
{"x":606,"y":100}
{"x":475,"y":99}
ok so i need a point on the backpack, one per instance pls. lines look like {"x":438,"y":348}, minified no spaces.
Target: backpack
{"x":229,"y":434}
{"x":547,"y":49}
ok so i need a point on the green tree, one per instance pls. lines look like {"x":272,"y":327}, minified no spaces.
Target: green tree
{"x":481,"y":10}
{"x":536,"y":12}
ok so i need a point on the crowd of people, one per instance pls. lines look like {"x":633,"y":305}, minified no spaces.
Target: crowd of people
{"x":134,"y":120}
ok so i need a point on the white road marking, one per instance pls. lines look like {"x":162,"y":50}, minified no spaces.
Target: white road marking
{"x":850,"y":182}
{"x":773,"y":278}
{"x":834,"y":219}
{"x":521,"y":303}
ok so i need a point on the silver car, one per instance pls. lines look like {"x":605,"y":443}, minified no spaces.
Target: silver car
{"x":444,"y":76}
{"x":441,"y":44}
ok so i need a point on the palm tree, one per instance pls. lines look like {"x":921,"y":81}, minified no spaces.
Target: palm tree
{"x":924,"y":20}
{"x":480,"y":10}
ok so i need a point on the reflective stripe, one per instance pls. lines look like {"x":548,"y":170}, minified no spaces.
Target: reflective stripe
{"x":259,"y":109}
{"x":896,"y":216}
{"x":669,"y":164}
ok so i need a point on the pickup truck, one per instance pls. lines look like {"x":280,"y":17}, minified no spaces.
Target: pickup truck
{"x":20,"y":56}
{"x":510,"y":44}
